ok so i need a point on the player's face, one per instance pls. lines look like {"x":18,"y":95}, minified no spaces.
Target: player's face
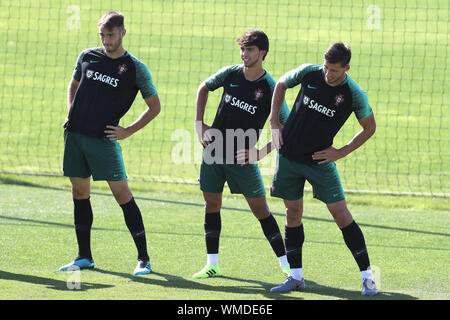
{"x":251,"y":55}
{"x":334,"y":73}
{"x":111,"y":38}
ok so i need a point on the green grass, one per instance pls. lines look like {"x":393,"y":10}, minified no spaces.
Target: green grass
{"x":409,"y":247}
{"x":401,"y":66}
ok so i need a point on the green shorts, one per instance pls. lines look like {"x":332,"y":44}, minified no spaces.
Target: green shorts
{"x":85,"y":156}
{"x":289,"y":181}
{"x":246,"y":179}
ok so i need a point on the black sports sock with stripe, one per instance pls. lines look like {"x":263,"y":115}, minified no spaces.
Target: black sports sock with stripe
{"x":83,"y":219}
{"x":354,"y":240}
{"x":135,"y":224}
{"x":294,"y":239}
{"x":212,"y":226}
{"x":273,"y":235}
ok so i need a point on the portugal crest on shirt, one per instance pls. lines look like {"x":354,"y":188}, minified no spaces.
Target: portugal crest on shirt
{"x":338,"y":99}
{"x":258,"y":94}
{"x":122,"y":68}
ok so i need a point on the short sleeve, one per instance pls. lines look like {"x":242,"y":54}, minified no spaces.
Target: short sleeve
{"x":360,"y":103}
{"x":77,"y":71}
{"x":294,"y":77}
{"x":216,"y":80}
{"x":144,"y":80}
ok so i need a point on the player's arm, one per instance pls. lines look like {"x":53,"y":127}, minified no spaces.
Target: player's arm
{"x":268,"y":147}
{"x":288,"y":80}
{"x":251,"y":155}
{"x":71,"y":90}
{"x":212,"y":83}
{"x":278,"y":97}
{"x":332,"y":154}
{"x":75,"y":81}
{"x":200,"y":106}
{"x":246,"y":156}
{"x":153,"y":109}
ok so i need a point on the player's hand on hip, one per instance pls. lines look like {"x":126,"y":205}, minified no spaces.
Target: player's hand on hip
{"x":115,"y":133}
{"x":276,"y":129}
{"x":203,"y":135}
{"x":329,"y":154}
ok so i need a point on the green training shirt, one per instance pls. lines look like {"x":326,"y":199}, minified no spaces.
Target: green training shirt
{"x":244,"y":105}
{"x":319,"y":112}
{"x":107,"y":90}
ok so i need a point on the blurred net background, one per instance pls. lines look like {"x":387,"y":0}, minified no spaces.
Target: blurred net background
{"x":400,"y":58}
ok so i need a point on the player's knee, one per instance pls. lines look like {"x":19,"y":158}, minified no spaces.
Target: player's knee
{"x":120,"y":191}
{"x":261,"y":213}
{"x":123,"y":197}
{"x":213,"y":202}
{"x":259,"y":207}
{"x":80,"y":193}
{"x":341,"y":216}
{"x":213,"y":206}
{"x":81,"y":188}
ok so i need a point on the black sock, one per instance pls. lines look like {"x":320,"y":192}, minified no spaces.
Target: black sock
{"x":354,"y":240}
{"x":294,"y":238}
{"x":133,"y":220}
{"x":83,"y":218}
{"x":272,"y":232}
{"x":213,"y":225}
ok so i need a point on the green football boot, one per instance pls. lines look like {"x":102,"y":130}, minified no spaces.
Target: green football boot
{"x":208,"y":271}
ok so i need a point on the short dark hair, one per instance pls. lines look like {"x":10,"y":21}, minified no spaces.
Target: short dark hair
{"x":338,"y":53}
{"x":112,"y":19}
{"x":255,"y":37}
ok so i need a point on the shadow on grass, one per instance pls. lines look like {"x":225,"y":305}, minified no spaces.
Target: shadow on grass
{"x":50,"y":283}
{"x":251,"y":287}
{"x":314,"y":287}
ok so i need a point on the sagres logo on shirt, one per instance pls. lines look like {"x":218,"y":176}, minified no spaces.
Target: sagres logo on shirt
{"x":235,"y":102}
{"x":97,"y":76}
{"x":312,"y":104}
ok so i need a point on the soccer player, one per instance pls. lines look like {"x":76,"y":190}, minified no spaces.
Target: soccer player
{"x":325,"y":101}
{"x":104,"y":85}
{"x":230,"y":154}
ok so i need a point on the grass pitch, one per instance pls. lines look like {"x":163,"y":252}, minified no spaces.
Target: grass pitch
{"x":409,"y":249}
